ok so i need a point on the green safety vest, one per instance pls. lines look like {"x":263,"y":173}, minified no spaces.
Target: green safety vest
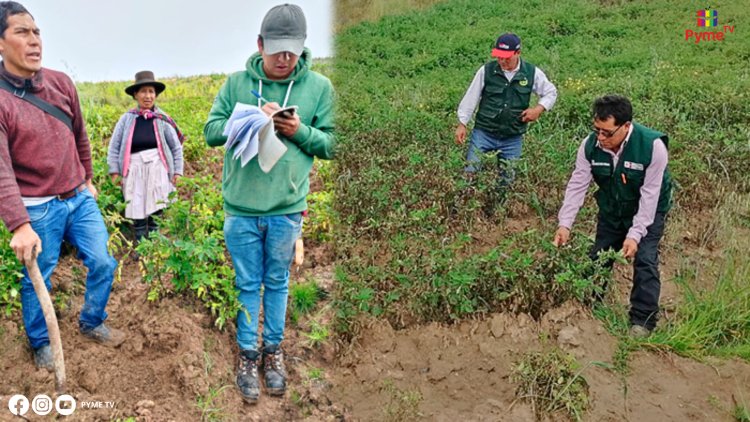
{"x":503,"y":101}
{"x":620,"y":187}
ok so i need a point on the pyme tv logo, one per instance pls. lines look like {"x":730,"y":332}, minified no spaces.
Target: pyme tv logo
{"x":708,"y":18}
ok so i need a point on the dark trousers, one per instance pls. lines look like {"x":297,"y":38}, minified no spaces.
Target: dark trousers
{"x":644,"y":298}
{"x":142,"y":227}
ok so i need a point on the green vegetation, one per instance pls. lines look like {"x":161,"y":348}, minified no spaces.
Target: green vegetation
{"x":317,"y":335}
{"x":712,"y":319}
{"x":415,"y":247}
{"x":188,"y":253}
{"x":314,"y":374}
{"x":207,"y":405}
{"x":715,"y":319}
{"x":403,"y":404}
{"x":304,"y":296}
{"x":189,"y":250}
{"x":10,"y":276}
{"x":742,"y":413}
{"x":350,"y":12}
{"x":319,"y":220}
{"x":551,"y":381}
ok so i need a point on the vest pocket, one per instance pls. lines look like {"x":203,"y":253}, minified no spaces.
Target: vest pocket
{"x":487,"y":113}
{"x":631,"y":183}
{"x":523,"y":93}
{"x":510,"y":117}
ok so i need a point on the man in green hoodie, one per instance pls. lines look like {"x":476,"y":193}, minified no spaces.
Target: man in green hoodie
{"x":264,"y":210}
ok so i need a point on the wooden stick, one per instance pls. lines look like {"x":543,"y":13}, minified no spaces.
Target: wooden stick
{"x":299,"y":252}
{"x":51,"y":319}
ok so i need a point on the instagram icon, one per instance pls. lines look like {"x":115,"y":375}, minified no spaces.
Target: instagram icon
{"x":41,"y":405}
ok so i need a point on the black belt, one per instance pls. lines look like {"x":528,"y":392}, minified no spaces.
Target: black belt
{"x":71,"y":193}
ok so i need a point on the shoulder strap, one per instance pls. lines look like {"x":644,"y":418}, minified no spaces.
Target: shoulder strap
{"x":38,"y":102}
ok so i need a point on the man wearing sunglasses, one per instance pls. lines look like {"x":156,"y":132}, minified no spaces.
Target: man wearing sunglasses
{"x":628,"y":162}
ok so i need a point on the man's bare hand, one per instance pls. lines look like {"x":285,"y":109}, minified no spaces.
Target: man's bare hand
{"x":531,"y":114}
{"x":116,"y":178}
{"x":629,"y":248}
{"x":460,"y":134}
{"x":24,"y":242}
{"x":90,"y":186}
{"x":561,"y":236}
{"x":286,"y":125}
{"x":270,"y":108}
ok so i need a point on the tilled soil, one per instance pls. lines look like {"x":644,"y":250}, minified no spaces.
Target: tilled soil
{"x":462,"y":373}
{"x":174,"y":366}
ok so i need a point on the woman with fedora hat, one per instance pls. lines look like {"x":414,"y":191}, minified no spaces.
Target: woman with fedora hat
{"x":146,"y":152}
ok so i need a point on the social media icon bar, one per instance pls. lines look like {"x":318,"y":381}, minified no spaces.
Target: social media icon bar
{"x":41,"y":405}
{"x":65,"y":405}
{"x":18,"y":405}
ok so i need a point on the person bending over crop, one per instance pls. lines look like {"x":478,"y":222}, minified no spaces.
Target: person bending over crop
{"x":628,"y":163}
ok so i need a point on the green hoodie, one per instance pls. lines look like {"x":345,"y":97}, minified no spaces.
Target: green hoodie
{"x":248,"y":191}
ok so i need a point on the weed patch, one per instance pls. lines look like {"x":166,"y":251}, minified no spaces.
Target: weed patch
{"x":304,"y":296}
{"x":317,"y":335}
{"x":403,"y":405}
{"x":552,"y":382}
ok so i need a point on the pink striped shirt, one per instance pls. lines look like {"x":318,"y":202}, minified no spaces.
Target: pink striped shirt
{"x":579,"y":183}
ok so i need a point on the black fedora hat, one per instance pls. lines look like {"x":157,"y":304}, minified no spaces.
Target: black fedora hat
{"x":145,"y":77}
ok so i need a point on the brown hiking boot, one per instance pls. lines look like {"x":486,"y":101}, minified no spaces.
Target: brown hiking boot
{"x":110,"y":337}
{"x":247,"y":376}
{"x":273,"y":369}
{"x":638,"y":332}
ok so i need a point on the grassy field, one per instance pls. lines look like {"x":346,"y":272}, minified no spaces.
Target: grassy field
{"x":411,"y":246}
{"x":414,"y":249}
{"x":192,"y":228}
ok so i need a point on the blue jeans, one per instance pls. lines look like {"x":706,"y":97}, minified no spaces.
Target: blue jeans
{"x":262,"y":249}
{"x":508,"y":149}
{"x":78,"y":221}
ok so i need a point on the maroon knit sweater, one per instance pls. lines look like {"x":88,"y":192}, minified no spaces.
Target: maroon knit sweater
{"x":39,"y":155}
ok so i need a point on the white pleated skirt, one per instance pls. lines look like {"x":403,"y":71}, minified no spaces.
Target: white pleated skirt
{"x":146,"y":188}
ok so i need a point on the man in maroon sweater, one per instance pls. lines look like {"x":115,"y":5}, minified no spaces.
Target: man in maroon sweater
{"x":46,"y":194}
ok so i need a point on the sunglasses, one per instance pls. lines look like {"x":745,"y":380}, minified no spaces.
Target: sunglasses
{"x":606,"y":133}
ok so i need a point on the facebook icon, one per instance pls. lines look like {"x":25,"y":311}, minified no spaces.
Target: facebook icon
{"x":18,"y":405}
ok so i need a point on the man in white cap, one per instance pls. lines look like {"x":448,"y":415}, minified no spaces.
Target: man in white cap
{"x":502,"y":89}
{"x":263,"y":211}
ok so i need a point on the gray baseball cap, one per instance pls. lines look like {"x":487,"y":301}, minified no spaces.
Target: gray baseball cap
{"x":284,"y":29}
